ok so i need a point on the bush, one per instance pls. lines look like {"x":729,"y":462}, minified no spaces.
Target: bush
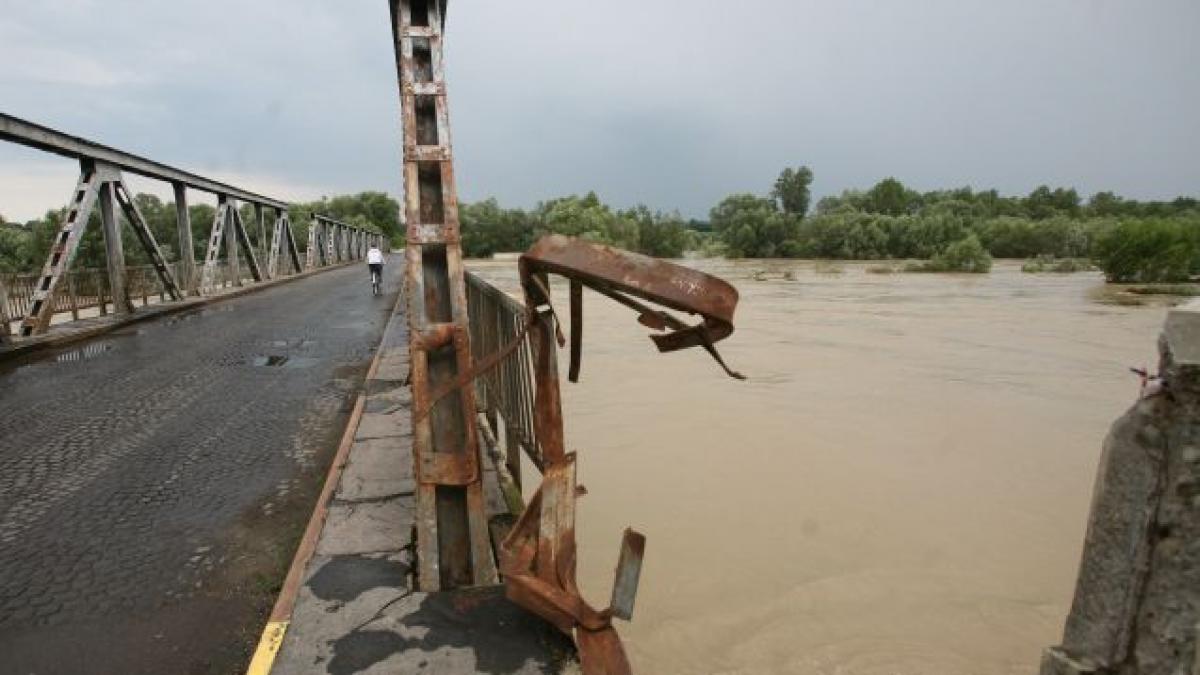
{"x":1150,"y":251}
{"x":965,"y":255}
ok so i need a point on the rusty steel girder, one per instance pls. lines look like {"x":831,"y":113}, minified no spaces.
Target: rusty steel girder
{"x":537,"y":559}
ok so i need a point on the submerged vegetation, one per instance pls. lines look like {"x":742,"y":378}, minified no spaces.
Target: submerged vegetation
{"x":1182,"y":290}
{"x":1048,"y":263}
{"x":964,"y":255}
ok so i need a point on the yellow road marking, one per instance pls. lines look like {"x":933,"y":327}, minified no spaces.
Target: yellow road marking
{"x":268,"y":647}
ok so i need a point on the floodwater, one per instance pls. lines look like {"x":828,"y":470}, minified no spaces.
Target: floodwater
{"x":900,"y":488}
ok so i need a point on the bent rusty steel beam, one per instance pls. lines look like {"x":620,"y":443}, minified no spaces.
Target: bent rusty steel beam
{"x":620,"y":274}
{"x":538,"y":558}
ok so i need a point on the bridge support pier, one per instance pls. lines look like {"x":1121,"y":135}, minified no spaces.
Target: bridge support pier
{"x":1137,"y":599}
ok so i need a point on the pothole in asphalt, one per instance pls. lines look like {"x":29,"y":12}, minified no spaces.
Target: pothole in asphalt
{"x":270,"y":361}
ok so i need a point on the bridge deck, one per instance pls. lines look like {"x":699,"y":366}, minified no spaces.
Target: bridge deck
{"x":153,"y":483}
{"x":356,"y":609}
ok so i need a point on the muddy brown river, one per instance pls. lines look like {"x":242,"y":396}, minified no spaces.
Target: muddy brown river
{"x":900,"y":488}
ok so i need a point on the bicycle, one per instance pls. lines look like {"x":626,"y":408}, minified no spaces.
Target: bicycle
{"x":376,"y":282}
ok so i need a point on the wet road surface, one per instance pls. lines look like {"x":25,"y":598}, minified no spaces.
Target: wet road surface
{"x":154,"y":482}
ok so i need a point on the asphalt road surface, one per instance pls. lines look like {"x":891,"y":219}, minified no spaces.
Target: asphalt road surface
{"x":154,"y":482}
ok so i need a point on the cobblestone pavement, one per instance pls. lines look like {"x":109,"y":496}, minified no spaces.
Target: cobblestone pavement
{"x":153,"y":482}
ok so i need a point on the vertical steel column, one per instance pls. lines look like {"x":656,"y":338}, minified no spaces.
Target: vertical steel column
{"x":260,"y":216}
{"x":114,"y":248}
{"x":453,"y":546}
{"x":187,"y":255}
{"x":310,"y":261}
{"x":5,"y":329}
{"x":276,"y":242}
{"x":233,"y":264}
{"x":330,"y":253}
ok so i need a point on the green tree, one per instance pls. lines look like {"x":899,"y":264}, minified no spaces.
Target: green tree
{"x":754,"y":227}
{"x":488,"y":228}
{"x":891,"y":197}
{"x":14,"y":248}
{"x":659,"y":234}
{"x":1046,"y":203}
{"x":1150,"y":250}
{"x":586,"y":217}
{"x":792,"y":190}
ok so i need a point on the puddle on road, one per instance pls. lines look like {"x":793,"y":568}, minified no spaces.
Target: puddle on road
{"x":280,"y":361}
{"x":84,"y":353}
{"x":197,"y":313}
{"x":291,"y":343}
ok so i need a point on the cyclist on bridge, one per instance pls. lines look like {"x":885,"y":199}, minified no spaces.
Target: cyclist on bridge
{"x":375,"y":263}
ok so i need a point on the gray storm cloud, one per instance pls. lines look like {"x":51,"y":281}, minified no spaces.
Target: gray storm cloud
{"x":668,"y":102}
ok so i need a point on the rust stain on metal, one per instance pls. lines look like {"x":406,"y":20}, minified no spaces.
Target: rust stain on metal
{"x":537,"y":559}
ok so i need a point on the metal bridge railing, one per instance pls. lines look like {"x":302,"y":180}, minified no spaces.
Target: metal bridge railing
{"x":506,"y":391}
{"x":85,"y":289}
{"x":102,"y":186}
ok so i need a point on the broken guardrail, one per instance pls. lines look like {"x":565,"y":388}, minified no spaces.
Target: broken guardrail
{"x":537,"y":558}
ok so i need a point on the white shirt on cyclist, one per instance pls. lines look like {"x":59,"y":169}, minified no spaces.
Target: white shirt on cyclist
{"x":374,"y":256}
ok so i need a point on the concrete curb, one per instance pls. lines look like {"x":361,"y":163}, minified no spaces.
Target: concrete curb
{"x":71,"y":332}
{"x":277,"y":623}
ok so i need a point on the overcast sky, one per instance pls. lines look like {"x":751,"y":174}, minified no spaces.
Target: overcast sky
{"x":673,"y":103}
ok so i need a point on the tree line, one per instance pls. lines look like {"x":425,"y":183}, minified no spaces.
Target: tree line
{"x":951,"y":230}
{"x":961,"y":229}
{"x":24,"y":247}
{"x":489,"y":228}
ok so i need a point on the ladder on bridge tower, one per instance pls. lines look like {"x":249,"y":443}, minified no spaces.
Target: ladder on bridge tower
{"x":453,"y":543}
